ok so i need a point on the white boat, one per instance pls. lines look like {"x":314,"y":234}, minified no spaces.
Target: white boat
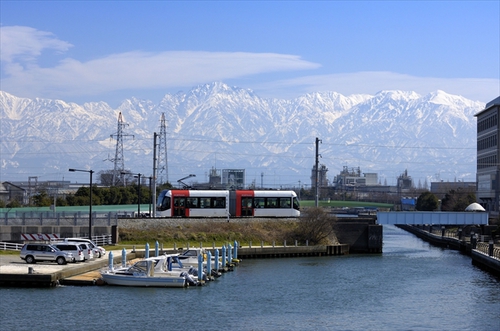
{"x":190,"y":257}
{"x":142,"y":274}
{"x":170,"y":264}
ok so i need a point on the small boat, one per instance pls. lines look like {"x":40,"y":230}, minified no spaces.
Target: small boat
{"x":142,"y":274}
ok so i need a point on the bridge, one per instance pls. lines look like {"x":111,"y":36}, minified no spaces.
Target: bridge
{"x":432,"y":217}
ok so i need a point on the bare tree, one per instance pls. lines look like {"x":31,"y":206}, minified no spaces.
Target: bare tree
{"x":316,"y":226}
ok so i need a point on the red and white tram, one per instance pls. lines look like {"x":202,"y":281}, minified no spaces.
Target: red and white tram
{"x":221,"y":203}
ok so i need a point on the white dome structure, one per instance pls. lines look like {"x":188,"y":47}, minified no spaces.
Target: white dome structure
{"x":474,"y":207}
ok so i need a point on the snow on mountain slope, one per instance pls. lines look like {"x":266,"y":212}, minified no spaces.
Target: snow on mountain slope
{"x":215,"y":125}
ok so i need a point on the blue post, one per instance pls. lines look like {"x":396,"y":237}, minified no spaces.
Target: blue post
{"x":229,"y":254}
{"x":216,"y":259}
{"x":124,"y":257}
{"x":209,"y":263}
{"x":146,"y":253}
{"x":235,"y":249}
{"x":156,"y":248}
{"x":224,"y":256}
{"x":110,"y":261}
{"x":200,"y":267}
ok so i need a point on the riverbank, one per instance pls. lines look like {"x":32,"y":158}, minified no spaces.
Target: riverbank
{"x":16,"y":272}
{"x":485,"y":255}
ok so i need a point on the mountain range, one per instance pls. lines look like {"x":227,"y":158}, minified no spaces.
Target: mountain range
{"x":216,"y":126}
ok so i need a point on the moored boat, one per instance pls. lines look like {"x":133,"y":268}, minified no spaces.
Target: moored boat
{"x":142,"y":274}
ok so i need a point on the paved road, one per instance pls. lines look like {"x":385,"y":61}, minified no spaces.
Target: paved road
{"x":12,"y":264}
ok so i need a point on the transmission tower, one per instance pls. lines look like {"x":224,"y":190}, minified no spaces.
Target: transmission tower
{"x":118,"y":160}
{"x":162,"y":152}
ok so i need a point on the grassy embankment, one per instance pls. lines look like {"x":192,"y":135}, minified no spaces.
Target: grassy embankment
{"x":221,"y":233}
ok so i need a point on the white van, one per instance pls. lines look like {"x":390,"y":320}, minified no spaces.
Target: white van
{"x":97,"y":250}
{"x":72,"y":248}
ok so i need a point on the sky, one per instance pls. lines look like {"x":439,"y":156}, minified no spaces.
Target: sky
{"x":84,"y":51}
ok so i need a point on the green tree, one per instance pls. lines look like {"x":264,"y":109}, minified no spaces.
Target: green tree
{"x":458,"y":200}
{"x":42,"y":199}
{"x":427,"y":202}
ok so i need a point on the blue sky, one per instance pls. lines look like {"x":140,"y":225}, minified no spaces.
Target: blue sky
{"x":108,"y":51}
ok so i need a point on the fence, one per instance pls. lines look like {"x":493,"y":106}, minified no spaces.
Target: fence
{"x":486,"y":249}
{"x":59,"y":219}
{"x":104,"y":240}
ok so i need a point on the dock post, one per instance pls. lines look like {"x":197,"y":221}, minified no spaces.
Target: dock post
{"x":224,"y":256}
{"x":200,"y":267}
{"x":229,"y":254}
{"x":124,"y":257}
{"x":110,"y":261}
{"x":216,"y":259}
{"x":209,"y":264}
{"x":146,"y":253}
{"x":235,"y":249}
{"x":473,"y":241}
{"x":156,"y":248}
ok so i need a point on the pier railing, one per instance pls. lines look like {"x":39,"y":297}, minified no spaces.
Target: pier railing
{"x":487,"y":249}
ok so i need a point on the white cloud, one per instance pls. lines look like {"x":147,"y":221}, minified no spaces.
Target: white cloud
{"x":476,"y":89}
{"x":130,"y":70}
{"x":21,"y":46}
{"x":22,"y":42}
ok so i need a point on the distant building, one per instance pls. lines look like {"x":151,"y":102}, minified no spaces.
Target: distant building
{"x":439,"y":189}
{"x":322,"y":178}
{"x":405,"y":183}
{"x":233,"y":178}
{"x":488,"y":156}
{"x":10,"y":192}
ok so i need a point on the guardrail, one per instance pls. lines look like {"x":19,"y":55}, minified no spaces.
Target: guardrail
{"x":488,"y":250}
{"x":4,"y":246}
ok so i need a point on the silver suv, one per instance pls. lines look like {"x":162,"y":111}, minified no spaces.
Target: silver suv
{"x":32,"y":253}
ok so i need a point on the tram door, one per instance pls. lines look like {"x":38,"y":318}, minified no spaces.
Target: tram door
{"x":246,"y":206}
{"x":179,"y":206}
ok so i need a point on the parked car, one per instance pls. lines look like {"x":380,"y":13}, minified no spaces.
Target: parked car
{"x":72,"y":248}
{"x":32,"y":253}
{"x":87,"y":250}
{"x":98,"y":250}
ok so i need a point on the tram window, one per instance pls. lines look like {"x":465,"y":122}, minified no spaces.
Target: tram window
{"x":284,"y":202}
{"x":272,"y":202}
{"x":192,"y":202}
{"x":220,"y":203}
{"x":165,"y":204}
{"x":204,"y":202}
{"x":296,"y":203}
{"x":259,"y":202}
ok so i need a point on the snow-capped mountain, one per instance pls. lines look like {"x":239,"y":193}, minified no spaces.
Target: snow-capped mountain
{"x":218,"y":126}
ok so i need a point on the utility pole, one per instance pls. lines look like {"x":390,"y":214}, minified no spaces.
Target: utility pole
{"x":153,"y":193}
{"x":317,"y":171}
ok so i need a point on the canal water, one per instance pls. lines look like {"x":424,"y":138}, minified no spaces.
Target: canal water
{"x":411,"y":286}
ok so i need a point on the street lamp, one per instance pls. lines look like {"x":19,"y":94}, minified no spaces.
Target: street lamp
{"x":90,"y":202}
{"x":138,"y":191}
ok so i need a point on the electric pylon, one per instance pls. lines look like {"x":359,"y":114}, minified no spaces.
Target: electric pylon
{"x":118,"y":160}
{"x":162,"y":152}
